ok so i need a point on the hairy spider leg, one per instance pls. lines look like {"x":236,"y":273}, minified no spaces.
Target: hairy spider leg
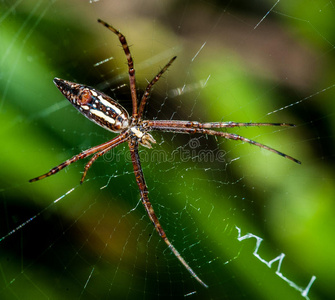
{"x":158,"y":126}
{"x":131,"y":70}
{"x":149,"y":86}
{"x":102,"y":152}
{"x":110,"y":144}
{"x":208,"y":125}
{"x":133,"y":146}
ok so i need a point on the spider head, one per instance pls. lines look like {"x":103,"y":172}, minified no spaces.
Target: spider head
{"x":143,"y":137}
{"x":95,"y":105}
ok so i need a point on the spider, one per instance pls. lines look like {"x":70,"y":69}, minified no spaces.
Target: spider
{"x":109,"y":114}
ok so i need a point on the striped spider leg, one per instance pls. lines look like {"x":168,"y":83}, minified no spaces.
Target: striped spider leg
{"x":204,"y":128}
{"x":109,"y":114}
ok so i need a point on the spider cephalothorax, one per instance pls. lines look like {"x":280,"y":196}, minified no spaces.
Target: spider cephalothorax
{"x":109,"y":114}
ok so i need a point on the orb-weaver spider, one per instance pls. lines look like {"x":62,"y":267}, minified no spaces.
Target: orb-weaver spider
{"x":110,"y":115}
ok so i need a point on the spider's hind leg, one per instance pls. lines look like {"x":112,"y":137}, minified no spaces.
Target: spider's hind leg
{"x":61,"y":166}
{"x":131,"y":69}
{"x":103,"y":148}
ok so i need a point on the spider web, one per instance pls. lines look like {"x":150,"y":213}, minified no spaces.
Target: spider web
{"x":251,"y":224}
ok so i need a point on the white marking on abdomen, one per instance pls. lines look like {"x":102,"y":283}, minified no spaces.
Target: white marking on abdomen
{"x":101,"y":115}
{"x":108,"y":104}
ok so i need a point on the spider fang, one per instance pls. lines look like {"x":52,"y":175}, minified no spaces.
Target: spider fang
{"x":144,"y":138}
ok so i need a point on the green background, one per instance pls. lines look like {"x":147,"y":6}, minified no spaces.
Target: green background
{"x":97,"y":242}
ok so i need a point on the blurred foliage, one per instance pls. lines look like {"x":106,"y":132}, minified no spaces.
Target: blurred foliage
{"x":90,"y":243}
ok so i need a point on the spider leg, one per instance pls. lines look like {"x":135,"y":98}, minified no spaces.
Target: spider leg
{"x":164,"y":126}
{"x":149,"y":86}
{"x":133,"y":146}
{"x":131,"y":70}
{"x":102,"y":152}
{"x":194,"y":124}
{"x":110,"y":144}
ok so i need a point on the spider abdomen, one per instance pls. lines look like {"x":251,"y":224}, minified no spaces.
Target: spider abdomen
{"x":95,"y":105}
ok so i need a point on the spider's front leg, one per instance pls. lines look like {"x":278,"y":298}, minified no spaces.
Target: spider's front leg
{"x":133,"y":146}
{"x":192,"y":127}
